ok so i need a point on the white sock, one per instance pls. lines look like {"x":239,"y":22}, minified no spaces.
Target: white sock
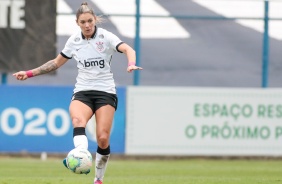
{"x":101,"y":165}
{"x":80,"y":141}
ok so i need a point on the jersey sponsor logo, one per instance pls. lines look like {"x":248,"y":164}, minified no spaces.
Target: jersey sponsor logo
{"x":76,"y":39}
{"x":91,"y":63}
{"x":100,"y":46}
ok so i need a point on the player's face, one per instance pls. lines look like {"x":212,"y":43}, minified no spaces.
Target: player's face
{"x":86,"y":22}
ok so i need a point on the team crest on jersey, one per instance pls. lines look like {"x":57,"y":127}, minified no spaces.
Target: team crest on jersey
{"x":76,"y":39}
{"x":100,"y":46}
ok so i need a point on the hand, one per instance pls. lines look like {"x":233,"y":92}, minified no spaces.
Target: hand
{"x":21,"y":75}
{"x":133,"y":67}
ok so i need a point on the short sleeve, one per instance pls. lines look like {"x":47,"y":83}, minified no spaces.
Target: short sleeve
{"x":67,"y":51}
{"x":114,"y":41}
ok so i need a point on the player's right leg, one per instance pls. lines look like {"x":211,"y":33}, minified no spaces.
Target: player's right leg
{"x":80,"y":114}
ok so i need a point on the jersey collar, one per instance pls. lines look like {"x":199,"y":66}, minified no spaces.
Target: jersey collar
{"x":92,"y":36}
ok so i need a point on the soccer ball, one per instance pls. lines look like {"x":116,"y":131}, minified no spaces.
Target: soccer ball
{"x":79,"y":161}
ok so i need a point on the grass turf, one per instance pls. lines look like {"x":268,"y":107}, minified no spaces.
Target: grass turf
{"x":184,"y":171}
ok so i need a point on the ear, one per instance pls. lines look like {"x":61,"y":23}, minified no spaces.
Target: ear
{"x":76,"y":22}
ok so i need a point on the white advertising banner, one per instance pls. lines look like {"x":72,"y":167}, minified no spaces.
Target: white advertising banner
{"x":204,"y":121}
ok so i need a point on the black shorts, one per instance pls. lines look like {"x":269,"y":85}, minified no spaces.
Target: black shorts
{"x":96,"y":99}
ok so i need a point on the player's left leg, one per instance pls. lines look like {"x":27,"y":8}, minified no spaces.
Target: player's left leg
{"x":104,"y":118}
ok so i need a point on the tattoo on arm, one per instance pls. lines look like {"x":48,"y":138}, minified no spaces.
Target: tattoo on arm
{"x":47,"y":67}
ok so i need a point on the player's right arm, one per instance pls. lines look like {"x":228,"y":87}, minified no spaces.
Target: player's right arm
{"x":49,"y":66}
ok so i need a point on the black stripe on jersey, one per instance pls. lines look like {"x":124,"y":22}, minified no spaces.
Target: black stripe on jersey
{"x":118,"y":46}
{"x":65,"y":56}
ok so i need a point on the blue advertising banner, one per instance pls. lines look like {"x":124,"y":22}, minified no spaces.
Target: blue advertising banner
{"x":36,"y":119}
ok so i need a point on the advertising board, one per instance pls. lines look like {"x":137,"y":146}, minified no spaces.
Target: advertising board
{"x":204,"y":121}
{"x":36,"y":119}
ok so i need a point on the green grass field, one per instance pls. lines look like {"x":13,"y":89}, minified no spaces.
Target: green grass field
{"x":184,"y":171}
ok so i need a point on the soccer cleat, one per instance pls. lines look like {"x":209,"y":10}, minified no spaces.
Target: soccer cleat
{"x":65,"y":163}
{"x":98,"y":182}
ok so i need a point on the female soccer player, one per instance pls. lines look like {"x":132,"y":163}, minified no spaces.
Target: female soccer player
{"x":94,"y":91}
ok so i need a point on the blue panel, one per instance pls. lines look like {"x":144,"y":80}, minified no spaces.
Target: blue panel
{"x":36,"y":119}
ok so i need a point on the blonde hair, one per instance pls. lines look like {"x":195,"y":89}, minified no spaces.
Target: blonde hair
{"x":85,"y":8}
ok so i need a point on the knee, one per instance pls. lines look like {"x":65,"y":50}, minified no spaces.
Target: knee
{"x":103,"y":141}
{"x":77,"y":122}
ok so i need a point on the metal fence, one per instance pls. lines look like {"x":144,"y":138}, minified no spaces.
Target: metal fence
{"x":266,"y":19}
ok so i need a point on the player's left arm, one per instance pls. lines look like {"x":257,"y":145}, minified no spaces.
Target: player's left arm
{"x":131,"y":57}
